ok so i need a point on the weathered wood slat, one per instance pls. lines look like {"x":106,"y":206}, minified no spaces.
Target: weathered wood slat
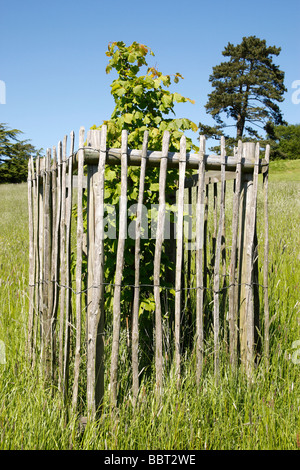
{"x":41,"y":250}
{"x":157,"y":260}
{"x":250,"y":230}
{"x":200,"y":213}
{"x":47,"y":308}
{"x":54,"y":251}
{"x":78,"y":280}
{"x":217,"y":265}
{"x":119,"y":270}
{"x":56,"y":256}
{"x":31,"y":256}
{"x":100,"y":140}
{"x":61,"y":384}
{"x":245,"y":255}
{"x":136,"y":299}
{"x":36,"y":324}
{"x":179,"y":253}
{"x":91,"y":196}
{"x":233,"y":261}
{"x":266,"y":259}
{"x":69,"y":194}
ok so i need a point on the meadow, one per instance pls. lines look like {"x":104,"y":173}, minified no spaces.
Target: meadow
{"x":234,"y":414}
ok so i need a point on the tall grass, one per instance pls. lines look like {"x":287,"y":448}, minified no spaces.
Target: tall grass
{"x":233,"y":414}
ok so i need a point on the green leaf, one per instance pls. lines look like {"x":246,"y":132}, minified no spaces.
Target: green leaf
{"x":138,"y":90}
{"x":154,"y":187}
{"x":179,"y":98}
{"x":131,"y":58}
{"x":128,"y":118}
{"x":119,"y":92}
{"x":167,"y":100}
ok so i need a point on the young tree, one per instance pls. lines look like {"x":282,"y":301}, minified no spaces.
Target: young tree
{"x":142,"y":102}
{"x":247,"y":89}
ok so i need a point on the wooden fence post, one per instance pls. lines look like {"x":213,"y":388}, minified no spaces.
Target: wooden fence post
{"x":69,"y":194}
{"x":136,"y":299}
{"x":217,"y":264}
{"x":200,"y":215}
{"x":47,"y":285}
{"x":31,"y":256}
{"x":119,"y":271}
{"x":266,"y":257}
{"x":233,"y":327}
{"x":78,"y":268}
{"x":157,"y":259}
{"x":179,"y":253}
{"x":61,"y":384}
{"x":95,"y":320}
{"x":248,"y":226}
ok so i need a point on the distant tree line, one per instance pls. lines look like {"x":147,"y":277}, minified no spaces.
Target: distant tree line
{"x":14,"y":155}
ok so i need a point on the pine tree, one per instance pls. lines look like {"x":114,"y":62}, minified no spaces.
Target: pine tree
{"x":247,"y":89}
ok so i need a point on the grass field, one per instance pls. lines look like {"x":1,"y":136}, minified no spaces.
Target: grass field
{"x":234,"y":414}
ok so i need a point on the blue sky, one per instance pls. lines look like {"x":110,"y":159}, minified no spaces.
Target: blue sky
{"x":53,"y":55}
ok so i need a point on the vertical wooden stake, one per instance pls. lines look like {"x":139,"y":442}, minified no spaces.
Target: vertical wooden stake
{"x":179,"y":252}
{"x":119,"y":270}
{"x":31,"y":257}
{"x":61,"y":384}
{"x":78,"y":269}
{"x":56,"y":256}
{"x":69,"y":195}
{"x":200,"y":214}
{"x":47,"y":285}
{"x":37,"y":257}
{"x":233,"y":261}
{"x":54,"y":250}
{"x":217,"y":265}
{"x":41,"y":251}
{"x":266,"y":258}
{"x":247,"y":222}
{"x":95,"y":318}
{"x":249,"y":296}
{"x":157,"y":259}
{"x":136,"y":300}
{"x":100,"y":141}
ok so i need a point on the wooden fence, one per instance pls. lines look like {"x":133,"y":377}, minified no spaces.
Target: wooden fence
{"x":68,"y":318}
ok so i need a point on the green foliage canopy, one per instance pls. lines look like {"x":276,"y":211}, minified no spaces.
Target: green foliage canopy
{"x":143,"y":102}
